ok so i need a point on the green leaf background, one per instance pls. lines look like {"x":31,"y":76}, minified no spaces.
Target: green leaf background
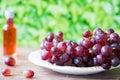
{"x":35,"y":18}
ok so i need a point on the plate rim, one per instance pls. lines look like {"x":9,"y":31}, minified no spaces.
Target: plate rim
{"x":60,"y":69}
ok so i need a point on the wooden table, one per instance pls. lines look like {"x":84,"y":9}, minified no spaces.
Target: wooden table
{"x":45,"y":74}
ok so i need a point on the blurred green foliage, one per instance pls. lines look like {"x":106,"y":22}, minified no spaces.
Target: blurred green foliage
{"x":35,"y":18}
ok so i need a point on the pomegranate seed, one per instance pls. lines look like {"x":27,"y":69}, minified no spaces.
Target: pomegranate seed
{"x":28,"y":73}
{"x":10,"y":61}
{"x":6,"y":72}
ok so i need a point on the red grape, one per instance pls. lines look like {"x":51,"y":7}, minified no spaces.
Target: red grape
{"x":47,"y":55}
{"x":109,"y":31}
{"x":87,"y":34}
{"x":59,"y":36}
{"x":59,"y":63}
{"x":53,"y":60}
{"x":64,"y":57}
{"x":62,"y":46}
{"x":70,"y":50}
{"x":114,"y":37}
{"x":79,"y":51}
{"x":6,"y":72}
{"x":28,"y":73}
{"x":95,"y":61}
{"x":96,"y":49}
{"x":55,"y":51}
{"x":90,"y":63}
{"x":93,"y":40}
{"x":86,"y":58}
{"x":74,"y":44}
{"x":68,"y":63}
{"x":100,"y":59}
{"x":55,"y":41}
{"x":115,"y":61}
{"x":100,"y":49}
{"x":114,"y":45}
{"x":87,"y":43}
{"x":106,"y":66}
{"x":98,"y":32}
{"x":48,"y":45}
{"x":68,"y":42}
{"x":10,"y":61}
{"x":106,"y":50}
{"x":101,"y":39}
{"x":78,"y":61}
{"x":50,"y":37}
{"x":95,"y":30}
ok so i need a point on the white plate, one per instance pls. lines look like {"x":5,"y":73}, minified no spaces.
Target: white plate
{"x":35,"y":57}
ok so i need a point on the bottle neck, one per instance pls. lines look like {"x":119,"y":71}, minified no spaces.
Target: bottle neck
{"x":9,"y":21}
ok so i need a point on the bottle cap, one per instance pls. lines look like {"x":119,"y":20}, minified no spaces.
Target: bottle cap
{"x":9,"y":13}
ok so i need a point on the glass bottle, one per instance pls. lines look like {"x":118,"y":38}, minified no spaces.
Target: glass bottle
{"x":9,"y":34}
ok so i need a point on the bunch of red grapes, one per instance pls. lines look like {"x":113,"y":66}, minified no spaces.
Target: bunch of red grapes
{"x":95,"y":49}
